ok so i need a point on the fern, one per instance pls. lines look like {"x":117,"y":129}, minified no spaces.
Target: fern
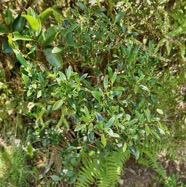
{"x":105,"y":172}
{"x":149,"y":157}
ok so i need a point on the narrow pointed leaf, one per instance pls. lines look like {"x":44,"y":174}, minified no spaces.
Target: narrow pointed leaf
{"x":103,"y":140}
{"x":57,"y":105}
{"x":119,"y":16}
{"x":18,"y":36}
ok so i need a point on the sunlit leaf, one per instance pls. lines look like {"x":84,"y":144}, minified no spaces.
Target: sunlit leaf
{"x":18,"y":36}
{"x":80,"y":127}
{"x":57,"y":105}
{"x":103,"y":140}
{"x":34,"y":23}
{"x":159,"y":111}
{"x":57,"y":49}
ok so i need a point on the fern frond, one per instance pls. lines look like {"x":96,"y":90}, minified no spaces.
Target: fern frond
{"x":88,"y":173}
{"x":105,"y":172}
{"x":149,"y":157}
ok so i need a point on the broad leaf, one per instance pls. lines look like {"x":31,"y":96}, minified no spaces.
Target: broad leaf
{"x":3,"y":29}
{"x":18,"y":23}
{"x":50,"y":35}
{"x":97,"y":95}
{"x":53,"y":58}
{"x":6,"y":47}
{"x":34,"y":23}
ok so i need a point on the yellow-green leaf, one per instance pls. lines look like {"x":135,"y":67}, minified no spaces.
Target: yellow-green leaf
{"x":159,"y":111}
{"x":34,"y":23}
{"x":103,"y":140}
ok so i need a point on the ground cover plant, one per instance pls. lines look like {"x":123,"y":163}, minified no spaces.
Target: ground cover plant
{"x":90,"y":86}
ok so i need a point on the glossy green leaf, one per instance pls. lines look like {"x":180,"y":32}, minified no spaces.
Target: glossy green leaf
{"x":140,"y":117}
{"x":110,"y":122}
{"x":6,"y":47}
{"x":112,"y":134}
{"x":72,"y":28}
{"x":147,"y":113}
{"x":49,"y":35}
{"x":74,"y":162}
{"x":18,"y":23}
{"x":8,"y":17}
{"x":80,"y":127}
{"x":159,"y":111}
{"x":113,"y":78}
{"x":147,"y":130}
{"x":105,"y":82}
{"x":62,"y":78}
{"x":69,"y":72}
{"x":132,"y":122}
{"x":20,"y":57}
{"x":161,"y":131}
{"x":128,"y":117}
{"x":18,"y":36}
{"x":45,"y":14}
{"x":97,"y":95}
{"x":145,"y":88}
{"x":57,"y":15}
{"x":136,"y":152}
{"x":57,"y":49}
{"x":119,"y":16}
{"x":54,"y":59}
{"x":34,"y":23}
{"x":55,"y":178}
{"x":70,"y":173}
{"x":3,"y":29}
{"x":57,"y":105}
{"x":110,"y":72}
{"x":82,"y":6}
{"x":69,"y":39}
{"x":103,"y":140}
{"x":124,"y":147}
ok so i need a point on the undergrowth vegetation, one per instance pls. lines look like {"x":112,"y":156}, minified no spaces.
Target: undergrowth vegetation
{"x":91,"y":85}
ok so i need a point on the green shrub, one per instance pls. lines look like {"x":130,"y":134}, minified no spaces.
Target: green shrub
{"x":91,"y":87}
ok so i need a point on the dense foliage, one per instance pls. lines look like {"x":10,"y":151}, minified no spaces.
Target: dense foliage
{"x":89,"y":85}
